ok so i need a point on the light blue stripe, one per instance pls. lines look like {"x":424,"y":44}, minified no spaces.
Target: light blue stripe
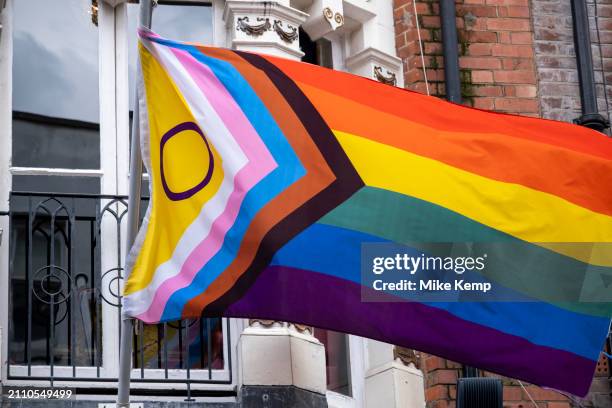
{"x":289,"y":170}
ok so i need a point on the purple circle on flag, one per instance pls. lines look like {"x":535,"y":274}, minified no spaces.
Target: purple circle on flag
{"x":183,"y":195}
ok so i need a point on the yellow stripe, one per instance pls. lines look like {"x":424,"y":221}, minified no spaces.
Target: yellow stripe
{"x":169,"y":219}
{"x":524,"y":213}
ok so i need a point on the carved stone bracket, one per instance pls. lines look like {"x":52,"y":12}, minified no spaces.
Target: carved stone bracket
{"x":406,"y":356}
{"x":288,"y":36}
{"x":388,"y":79}
{"x":254,"y":30}
{"x":335,"y":20}
{"x":376,"y":64}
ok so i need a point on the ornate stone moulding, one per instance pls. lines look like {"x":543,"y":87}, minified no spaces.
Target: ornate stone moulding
{"x":389,"y":79}
{"x":268,"y":27}
{"x":375,"y":64}
{"x":326,"y":16}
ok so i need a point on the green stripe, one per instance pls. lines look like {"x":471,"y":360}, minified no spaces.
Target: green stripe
{"x":519,"y":265}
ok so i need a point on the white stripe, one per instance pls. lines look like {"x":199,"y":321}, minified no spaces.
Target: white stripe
{"x":234,"y":159}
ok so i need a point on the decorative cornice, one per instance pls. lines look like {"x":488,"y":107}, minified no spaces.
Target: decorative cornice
{"x":376,"y":56}
{"x":268,"y":44}
{"x":288,"y":36}
{"x":254,"y":30}
{"x":268,"y":8}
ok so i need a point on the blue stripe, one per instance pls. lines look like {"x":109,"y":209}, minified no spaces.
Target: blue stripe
{"x":336,"y":252}
{"x":289,"y":170}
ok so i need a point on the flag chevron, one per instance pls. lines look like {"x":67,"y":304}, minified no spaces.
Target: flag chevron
{"x":268,"y":175}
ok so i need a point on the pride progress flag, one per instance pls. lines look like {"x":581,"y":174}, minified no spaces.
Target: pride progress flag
{"x":268,"y":175}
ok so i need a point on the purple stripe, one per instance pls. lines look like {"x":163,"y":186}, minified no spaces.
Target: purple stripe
{"x":283,"y":293}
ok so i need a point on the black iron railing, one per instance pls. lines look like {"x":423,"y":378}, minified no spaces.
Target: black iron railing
{"x":66,"y":268}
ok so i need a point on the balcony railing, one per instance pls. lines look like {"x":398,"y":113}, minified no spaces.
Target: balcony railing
{"x":65,"y":273}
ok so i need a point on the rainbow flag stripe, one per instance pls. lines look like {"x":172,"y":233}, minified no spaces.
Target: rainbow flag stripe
{"x":267,"y":176}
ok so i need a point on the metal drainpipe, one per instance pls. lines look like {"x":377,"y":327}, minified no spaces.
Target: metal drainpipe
{"x":451,"y":54}
{"x":584,"y":60}
{"x":448,"y":15}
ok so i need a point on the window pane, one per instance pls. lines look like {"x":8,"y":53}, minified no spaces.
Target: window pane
{"x":43,"y":141}
{"x":174,"y":21}
{"x":336,"y":360}
{"x":57,"y":184}
{"x":54,"y":282}
{"x":195,"y":344}
{"x":55,"y":81}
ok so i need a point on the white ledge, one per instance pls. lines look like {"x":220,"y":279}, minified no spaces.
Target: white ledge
{"x":38,"y":171}
{"x":374,"y":54}
{"x":268,"y":8}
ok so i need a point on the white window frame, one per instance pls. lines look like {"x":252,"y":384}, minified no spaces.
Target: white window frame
{"x":356,"y":352}
{"x":113,"y":174}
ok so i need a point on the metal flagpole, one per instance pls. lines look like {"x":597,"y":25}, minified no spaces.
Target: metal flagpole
{"x":127,"y":324}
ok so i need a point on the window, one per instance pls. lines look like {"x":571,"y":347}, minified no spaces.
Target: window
{"x":67,"y":221}
{"x":181,"y":21}
{"x":191,"y":21}
{"x":316,"y":52}
{"x":55,"y":93}
{"x":336,"y":360}
{"x":55,"y":126}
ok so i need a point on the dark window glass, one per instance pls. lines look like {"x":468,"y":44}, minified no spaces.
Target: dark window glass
{"x":55,"y":83}
{"x":57,"y":184}
{"x":336,"y":360}
{"x":194,"y":344}
{"x":55,"y":282}
{"x":316,"y":52}
{"x":54,"y":262}
{"x":43,"y":141}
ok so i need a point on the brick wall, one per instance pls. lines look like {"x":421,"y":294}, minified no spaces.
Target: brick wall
{"x":556,"y":58}
{"x":496,"y":60}
{"x":441,"y":375}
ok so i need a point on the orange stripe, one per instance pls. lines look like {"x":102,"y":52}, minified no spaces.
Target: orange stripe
{"x":318,"y":176}
{"x":442,"y":115}
{"x":576,"y":177}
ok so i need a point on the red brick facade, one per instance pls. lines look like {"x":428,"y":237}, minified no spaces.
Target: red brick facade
{"x":441,"y":388}
{"x":515,"y":56}
{"x":496,"y":55}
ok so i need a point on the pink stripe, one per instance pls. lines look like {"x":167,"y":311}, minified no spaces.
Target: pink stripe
{"x":259,"y":165}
